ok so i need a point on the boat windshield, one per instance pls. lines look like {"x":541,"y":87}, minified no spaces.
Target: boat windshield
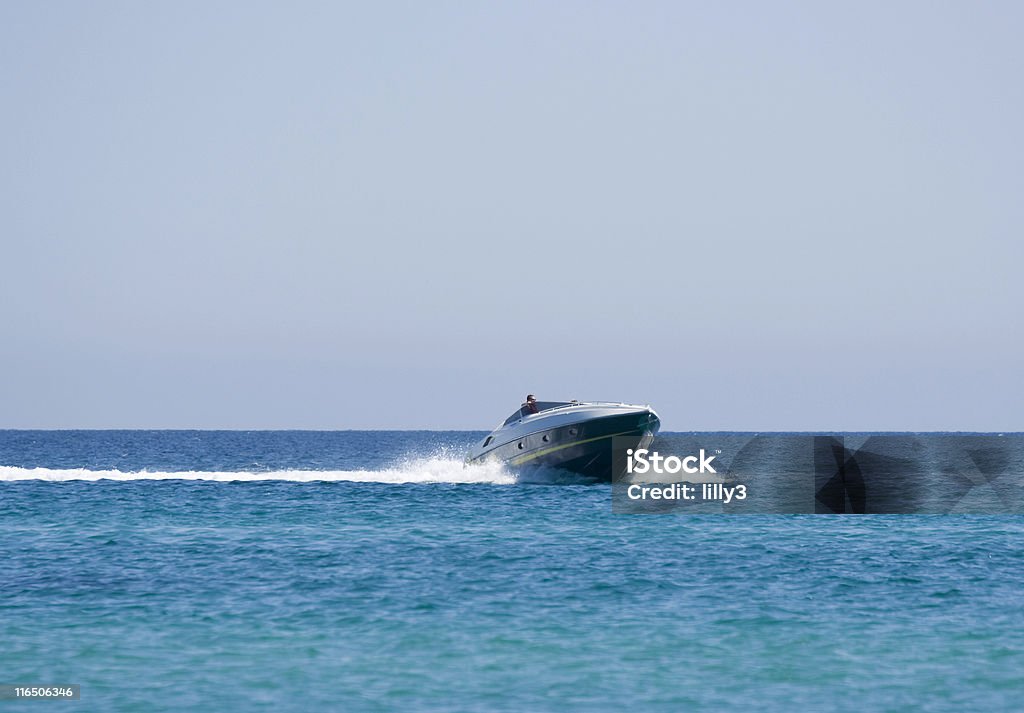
{"x":541,"y":406}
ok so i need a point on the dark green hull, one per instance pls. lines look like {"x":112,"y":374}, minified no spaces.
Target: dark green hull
{"x":584,"y":449}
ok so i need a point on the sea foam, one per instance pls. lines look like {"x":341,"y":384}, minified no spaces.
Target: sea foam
{"x":428,"y":470}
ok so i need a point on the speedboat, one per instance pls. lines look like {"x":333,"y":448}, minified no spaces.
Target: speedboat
{"x":571,"y":436}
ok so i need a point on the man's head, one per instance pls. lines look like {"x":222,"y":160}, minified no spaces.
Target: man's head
{"x":530,"y":399}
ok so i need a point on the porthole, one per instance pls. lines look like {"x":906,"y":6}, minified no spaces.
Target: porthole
{"x":572,"y":431}
{"x":488,"y":441}
{"x":520,"y":445}
{"x":546,"y":438}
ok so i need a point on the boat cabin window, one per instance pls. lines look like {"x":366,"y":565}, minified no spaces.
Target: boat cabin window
{"x":541,"y":406}
{"x":518,"y":414}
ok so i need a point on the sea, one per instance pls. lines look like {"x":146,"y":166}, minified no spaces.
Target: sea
{"x":374,"y":571}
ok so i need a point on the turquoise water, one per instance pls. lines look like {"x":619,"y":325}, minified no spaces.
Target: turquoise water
{"x":368,"y":592}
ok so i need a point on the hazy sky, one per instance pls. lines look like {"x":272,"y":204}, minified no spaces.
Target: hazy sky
{"x":763,"y":216}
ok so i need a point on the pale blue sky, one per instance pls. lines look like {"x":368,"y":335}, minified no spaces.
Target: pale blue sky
{"x":764,"y":216}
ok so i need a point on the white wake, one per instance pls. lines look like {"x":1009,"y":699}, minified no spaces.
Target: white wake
{"x":427,"y":470}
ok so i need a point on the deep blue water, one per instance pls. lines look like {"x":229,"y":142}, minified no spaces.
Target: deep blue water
{"x":362,"y":590}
